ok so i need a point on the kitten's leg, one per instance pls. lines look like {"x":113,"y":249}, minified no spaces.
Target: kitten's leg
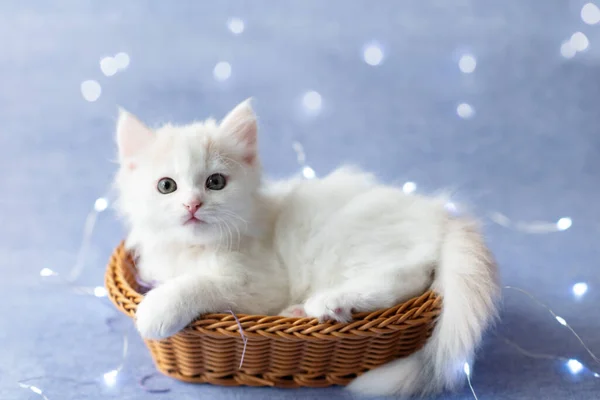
{"x":331,"y":305}
{"x":357,"y":295}
{"x":171,"y":306}
{"x":294,"y":311}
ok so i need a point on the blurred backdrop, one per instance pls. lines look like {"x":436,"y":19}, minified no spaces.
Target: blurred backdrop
{"x":496,"y":102}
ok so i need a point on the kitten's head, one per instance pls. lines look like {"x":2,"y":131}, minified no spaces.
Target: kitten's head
{"x":193,"y":184}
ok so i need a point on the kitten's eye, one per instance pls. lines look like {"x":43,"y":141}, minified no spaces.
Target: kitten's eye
{"x":216,"y":182}
{"x":166,"y":186}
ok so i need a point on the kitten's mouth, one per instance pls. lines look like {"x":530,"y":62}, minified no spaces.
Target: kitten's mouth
{"x":193,"y":221}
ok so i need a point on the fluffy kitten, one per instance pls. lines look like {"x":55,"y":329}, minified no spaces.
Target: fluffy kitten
{"x":216,"y":237}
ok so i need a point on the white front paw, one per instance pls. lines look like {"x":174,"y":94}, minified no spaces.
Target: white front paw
{"x":161,"y":314}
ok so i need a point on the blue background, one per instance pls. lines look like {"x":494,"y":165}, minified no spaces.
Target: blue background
{"x":530,"y":152}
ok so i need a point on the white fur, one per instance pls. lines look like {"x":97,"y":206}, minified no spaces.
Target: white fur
{"x":466,"y":277}
{"x":322,"y":248}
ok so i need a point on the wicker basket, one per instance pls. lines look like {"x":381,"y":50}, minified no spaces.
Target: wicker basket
{"x":280,"y":351}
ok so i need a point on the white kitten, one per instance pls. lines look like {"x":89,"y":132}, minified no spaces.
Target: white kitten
{"x":216,"y":238}
{"x":197,"y":221}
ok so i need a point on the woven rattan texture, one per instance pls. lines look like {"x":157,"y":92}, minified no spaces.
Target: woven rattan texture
{"x":283,"y":352}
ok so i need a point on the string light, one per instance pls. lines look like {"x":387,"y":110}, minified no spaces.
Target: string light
{"x":564,"y":223}
{"x":242,"y":334}
{"x":579,"y":289}
{"x":88,"y":228}
{"x":47,"y":272}
{"x":35,"y":390}
{"x":110,"y":378}
{"x":409,"y":187}
{"x":467,"y":371}
{"x":308,"y":173}
{"x":535,"y":227}
{"x":100,"y":204}
{"x":561,"y":320}
{"x":100,"y":291}
{"x":574,"y":366}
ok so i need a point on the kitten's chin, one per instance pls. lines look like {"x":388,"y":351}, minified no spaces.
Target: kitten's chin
{"x":192,"y":234}
{"x":200,"y":233}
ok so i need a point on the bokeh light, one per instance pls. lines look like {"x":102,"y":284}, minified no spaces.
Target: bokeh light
{"x":312,"y":101}
{"x":467,"y":63}
{"x":308,"y":173}
{"x":579,"y":289}
{"x":564,"y":223}
{"x":122,"y":60}
{"x":235,"y":25}
{"x":567,"y":50}
{"x":373,"y":54}
{"x":465,"y":111}
{"x":579,"y":41}
{"x":108,"y":66}
{"x":110,"y":378}
{"x":574,"y":366}
{"x":100,"y":204}
{"x":222,"y":71}
{"x":91,"y":90}
{"x":409,"y":187}
{"x":590,"y":14}
{"x":47,"y":272}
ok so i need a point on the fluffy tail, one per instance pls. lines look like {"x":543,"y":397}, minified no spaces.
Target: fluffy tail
{"x":466,"y":277}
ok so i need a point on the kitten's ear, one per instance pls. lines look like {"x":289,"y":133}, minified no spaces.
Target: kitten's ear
{"x":241,"y":124}
{"x":132,"y":135}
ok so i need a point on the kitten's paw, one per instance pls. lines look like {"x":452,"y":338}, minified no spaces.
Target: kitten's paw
{"x":160,"y":315}
{"x":295,"y":311}
{"x":329,"y":306}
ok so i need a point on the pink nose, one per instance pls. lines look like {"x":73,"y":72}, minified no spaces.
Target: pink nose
{"x":193,"y":206}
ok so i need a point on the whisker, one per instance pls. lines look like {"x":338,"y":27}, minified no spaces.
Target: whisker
{"x":224,"y":224}
{"x":220,"y":238}
{"x":230,"y":235}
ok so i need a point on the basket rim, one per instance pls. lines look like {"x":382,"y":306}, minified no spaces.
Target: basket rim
{"x":418,"y":310}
